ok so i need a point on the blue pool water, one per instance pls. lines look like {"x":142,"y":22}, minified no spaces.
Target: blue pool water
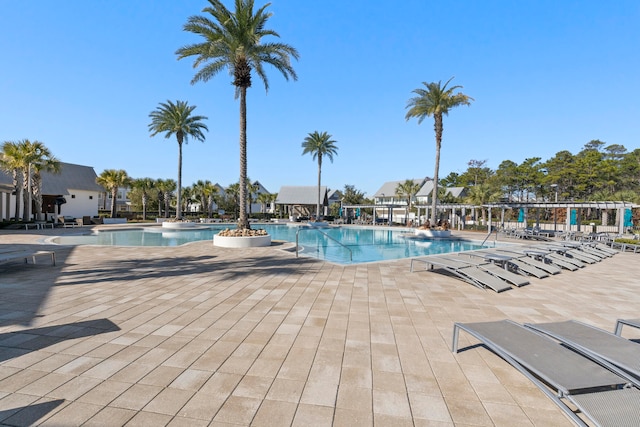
{"x":343,"y":245}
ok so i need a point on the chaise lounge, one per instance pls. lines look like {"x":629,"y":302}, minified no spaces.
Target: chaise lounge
{"x":576,"y":384}
{"x":610,"y":350}
{"x":469,"y":273}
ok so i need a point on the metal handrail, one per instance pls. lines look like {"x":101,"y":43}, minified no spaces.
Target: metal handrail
{"x":489,"y":234}
{"x":325,"y":234}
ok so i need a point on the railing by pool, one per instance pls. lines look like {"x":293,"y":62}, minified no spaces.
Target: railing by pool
{"x":325,"y":235}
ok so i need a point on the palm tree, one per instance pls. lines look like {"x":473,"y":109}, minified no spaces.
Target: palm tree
{"x":482,"y":194}
{"x":408,"y":190}
{"x":176,"y":119}
{"x":26,"y":160}
{"x":209,"y":195}
{"x":189,"y":196}
{"x":319,"y":145}
{"x":435,"y":100}
{"x":233,"y":193}
{"x":165,"y":188}
{"x":252,"y":190}
{"x":39,"y":160}
{"x":264,"y":199}
{"x":233,"y":41}
{"x":12,"y":160}
{"x":145,"y":186}
{"x":112,"y":179}
{"x":199,"y":189}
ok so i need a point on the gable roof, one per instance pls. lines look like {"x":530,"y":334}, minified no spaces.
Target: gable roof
{"x":457,"y":191}
{"x":388,"y":189}
{"x":300,"y":195}
{"x":71,"y":177}
{"x":261,"y":188}
{"x":426,"y":189}
{"x":6,"y":181}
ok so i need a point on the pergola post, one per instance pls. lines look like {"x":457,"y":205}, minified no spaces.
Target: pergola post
{"x":464,"y":217}
{"x":489,"y":223}
{"x":620,"y":219}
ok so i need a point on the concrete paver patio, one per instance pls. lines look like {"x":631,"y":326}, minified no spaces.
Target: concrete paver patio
{"x":204,"y":336}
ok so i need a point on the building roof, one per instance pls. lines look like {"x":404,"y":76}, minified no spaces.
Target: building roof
{"x":261,"y":188}
{"x":300,"y":195}
{"x":457,"y":191}
{"x":6,"y":181}
{"x":426,"y":189}
{"x":388,"y":189}
{"x":71,"y":177}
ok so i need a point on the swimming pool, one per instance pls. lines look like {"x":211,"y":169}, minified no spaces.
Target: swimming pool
{"x":344,"y":245}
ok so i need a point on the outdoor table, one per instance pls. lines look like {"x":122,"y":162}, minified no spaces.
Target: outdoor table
{"x":499,"y":258}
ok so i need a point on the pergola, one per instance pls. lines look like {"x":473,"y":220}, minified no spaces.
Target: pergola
{"x":389,"y":207}
{"x":619,"y":206}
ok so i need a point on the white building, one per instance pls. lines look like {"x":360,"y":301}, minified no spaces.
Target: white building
{"x":71,"y":192}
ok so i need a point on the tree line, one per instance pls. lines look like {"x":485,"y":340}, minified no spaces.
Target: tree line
{"x":598,"y":172}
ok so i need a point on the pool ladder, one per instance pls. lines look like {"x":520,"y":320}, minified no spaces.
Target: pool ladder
{"x":489,"y":235}
{"x":327,"y":236}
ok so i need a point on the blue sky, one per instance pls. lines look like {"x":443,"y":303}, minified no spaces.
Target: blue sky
{"x":82,"y":77}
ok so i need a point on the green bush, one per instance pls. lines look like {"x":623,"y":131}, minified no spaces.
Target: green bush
{"x":627,"y":241}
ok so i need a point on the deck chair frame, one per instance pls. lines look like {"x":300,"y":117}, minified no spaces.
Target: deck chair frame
{"x":576,"y":336}
{"x":590,"y":401}
{"x":465,"y":271}
{"x":635,"y":323}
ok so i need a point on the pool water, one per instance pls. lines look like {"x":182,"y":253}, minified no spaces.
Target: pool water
{"x":343,"y":245}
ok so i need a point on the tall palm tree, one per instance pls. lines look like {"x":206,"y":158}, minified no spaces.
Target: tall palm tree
{"x":234,"y":41}
{"x":170,"y":119}
{"x":408,"y":190}
{"x":112,"y":179}
{"x":435,"y":100}
{"x":319,"y":145}
{"x":12,"y":160}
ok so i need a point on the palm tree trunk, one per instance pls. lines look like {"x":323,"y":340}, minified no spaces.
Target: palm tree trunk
{"x":114,"y":194}
{"x":17,"y":178}
{"x":37,"y":193}
{"x":243,"y":222}
{"x":26,"y":194}
{"x":319,"y":180}
{"x":167,"y":203}
{"x":434,"y":195}
{"x":144,"y":206}
{"x":179,"y":205}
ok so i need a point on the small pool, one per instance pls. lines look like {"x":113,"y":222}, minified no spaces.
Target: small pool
{"x":344,"y":245}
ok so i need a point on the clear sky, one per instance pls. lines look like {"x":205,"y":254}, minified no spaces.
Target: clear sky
{"x":82,"y":76}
